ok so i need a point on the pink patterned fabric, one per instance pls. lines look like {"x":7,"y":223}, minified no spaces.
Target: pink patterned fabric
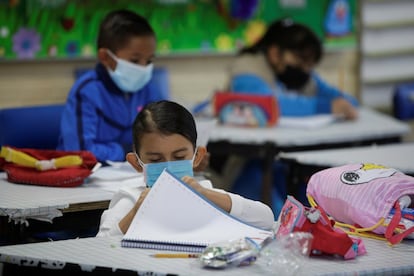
{"x":359,"y":194}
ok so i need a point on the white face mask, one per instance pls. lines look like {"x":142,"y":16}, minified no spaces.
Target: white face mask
{"x":130,"y":77}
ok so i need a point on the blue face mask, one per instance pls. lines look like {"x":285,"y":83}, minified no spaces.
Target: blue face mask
{"x":130,"y":77}
{"x":178,"y":168}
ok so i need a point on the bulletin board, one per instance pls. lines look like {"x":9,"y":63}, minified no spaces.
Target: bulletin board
{"x":65,"y":29}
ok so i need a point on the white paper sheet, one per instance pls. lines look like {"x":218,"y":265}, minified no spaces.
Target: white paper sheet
{"x":307,"y":122}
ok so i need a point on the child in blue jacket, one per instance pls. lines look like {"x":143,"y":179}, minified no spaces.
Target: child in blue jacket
{"x":282,"y":64}
{"x":103,"y":103}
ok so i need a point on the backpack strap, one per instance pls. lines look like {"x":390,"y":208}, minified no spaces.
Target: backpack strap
{"x":352,"y":229}
{"x":392,"y":226}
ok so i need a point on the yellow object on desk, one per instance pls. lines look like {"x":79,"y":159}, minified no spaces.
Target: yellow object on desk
{"x":24,"y":159}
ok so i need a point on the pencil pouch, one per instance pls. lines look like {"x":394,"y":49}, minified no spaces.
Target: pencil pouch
{"x":249,"y":110}
{"x":295,"y":217}
{"x":46,"y":167}
{"x":361,"y":198}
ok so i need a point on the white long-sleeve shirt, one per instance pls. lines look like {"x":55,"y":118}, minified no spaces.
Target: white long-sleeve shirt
{"x":252,"y":212}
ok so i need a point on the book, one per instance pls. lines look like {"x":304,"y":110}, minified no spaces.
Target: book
{"x":175,"y":217}
{"x":308,"y":122}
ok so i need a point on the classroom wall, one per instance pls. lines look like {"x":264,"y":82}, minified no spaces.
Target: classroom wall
{"x":192,"y":78}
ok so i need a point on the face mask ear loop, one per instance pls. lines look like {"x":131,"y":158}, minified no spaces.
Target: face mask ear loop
{"x":112,"y":55}
{"x":139,"y":160}
{"x":194,"y":156}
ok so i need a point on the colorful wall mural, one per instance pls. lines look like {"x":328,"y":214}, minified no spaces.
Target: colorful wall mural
{"x":64,"y":29}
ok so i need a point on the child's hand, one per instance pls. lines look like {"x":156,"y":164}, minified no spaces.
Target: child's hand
{"x":126,"y":221}
{"x":141,"y":198}
{"x":343,"y":108}
{"x":222,"y":200}
{"x":193,"y":183}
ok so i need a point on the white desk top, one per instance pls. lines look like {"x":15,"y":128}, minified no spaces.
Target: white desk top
{"x":21,"y":202}
{"x":371,"y":124}
{"x":89,"y":253}
{"x":398,"y":156}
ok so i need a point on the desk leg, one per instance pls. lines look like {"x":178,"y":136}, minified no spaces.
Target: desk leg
{"x":292,"y":180}
{"x":299,"y":175}
{"x":267,"y":181}
{"x":10,"y":232}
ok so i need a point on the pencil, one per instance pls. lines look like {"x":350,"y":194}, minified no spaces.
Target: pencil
{"x":175,"y":255}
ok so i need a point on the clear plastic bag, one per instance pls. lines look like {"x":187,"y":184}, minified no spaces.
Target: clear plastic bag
{"x":285,"y":255}
{"x":232,"y":253}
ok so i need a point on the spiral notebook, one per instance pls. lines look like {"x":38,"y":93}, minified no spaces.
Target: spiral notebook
{"x":176,"y":217}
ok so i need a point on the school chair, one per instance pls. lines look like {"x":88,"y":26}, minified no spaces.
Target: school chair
{"x":403,"y":101}
{"x":31,"y":126}
{"x":37,"y":127}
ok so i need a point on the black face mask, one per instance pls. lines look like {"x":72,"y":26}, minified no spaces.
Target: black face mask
{"x":293,"y":77}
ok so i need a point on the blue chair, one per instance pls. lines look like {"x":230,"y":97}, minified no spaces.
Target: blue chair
{"x":31,"y":126}
{"x":161,"y":77}
{"x":39,"y":126}
{"x":403,"y":101}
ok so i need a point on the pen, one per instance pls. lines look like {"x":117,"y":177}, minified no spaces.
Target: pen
{"x":175,"y":255}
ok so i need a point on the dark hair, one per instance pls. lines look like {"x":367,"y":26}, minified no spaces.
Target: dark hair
{"x":291,"y":36}
{"x":165,"y":117}
{"x":119,"y":26}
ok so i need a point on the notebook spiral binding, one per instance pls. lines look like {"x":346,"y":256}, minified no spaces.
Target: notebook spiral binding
{"x":194,"y":248}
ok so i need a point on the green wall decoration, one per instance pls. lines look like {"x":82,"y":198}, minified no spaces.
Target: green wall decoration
{"x":64,"y":29}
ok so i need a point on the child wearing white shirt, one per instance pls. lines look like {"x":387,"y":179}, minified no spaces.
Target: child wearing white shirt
{"x":164,"y":136}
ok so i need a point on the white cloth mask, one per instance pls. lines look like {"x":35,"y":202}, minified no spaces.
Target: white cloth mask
{"x":130,"y":77}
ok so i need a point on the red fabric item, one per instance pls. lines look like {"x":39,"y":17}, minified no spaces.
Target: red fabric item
{"x":266,"y":102}
{"x":325,"y":238}
{"x":294,"y":217}
{"x":62,"y":177}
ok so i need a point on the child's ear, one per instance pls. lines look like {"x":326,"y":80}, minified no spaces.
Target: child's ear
{"x":132,"y":159}
{"x":201,"y":152}
{"x":106,"y":59}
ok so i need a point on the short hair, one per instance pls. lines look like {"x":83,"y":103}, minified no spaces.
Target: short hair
{"x":119,"y":26}
{"x":165,"y":117}
{"x":292,"y":36}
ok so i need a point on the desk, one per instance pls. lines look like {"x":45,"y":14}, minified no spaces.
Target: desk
{"x":371,"y":127}
{"x":105,"y":256}
{"x":44,"y":207}
{"x":399,"y":156}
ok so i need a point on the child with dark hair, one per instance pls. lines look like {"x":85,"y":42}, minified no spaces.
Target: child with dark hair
{"x":103,"y":103}
{"x":282,"y":64}
{"x":165,"y":135}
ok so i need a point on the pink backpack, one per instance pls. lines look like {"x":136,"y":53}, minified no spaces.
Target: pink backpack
{"x":360,"y":198}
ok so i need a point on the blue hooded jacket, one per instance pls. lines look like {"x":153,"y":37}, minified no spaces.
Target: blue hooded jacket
{"x":98,"y":116}
{"x":291,"y":103}
{"x":252,"y":75}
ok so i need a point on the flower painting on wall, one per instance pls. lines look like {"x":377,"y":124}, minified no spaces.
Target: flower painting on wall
{"x":26,"y":43}
{"x":67,"y":29}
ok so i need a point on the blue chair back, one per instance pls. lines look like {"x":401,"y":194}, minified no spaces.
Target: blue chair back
{"x":31,"y":126}
{"x":403,"y":101}
{"x":161,"y":77}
